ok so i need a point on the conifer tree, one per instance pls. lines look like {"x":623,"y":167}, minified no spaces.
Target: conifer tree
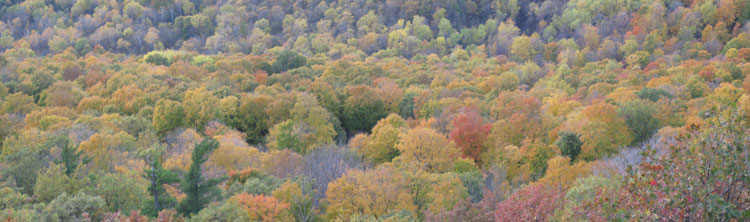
{"x":199,"y":190}
{"x":69,"y":156}
{"x":158,"y":176}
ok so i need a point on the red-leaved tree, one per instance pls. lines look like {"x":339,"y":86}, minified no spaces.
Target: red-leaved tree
{"x":469,"y":132}
{"x":535,"y":202}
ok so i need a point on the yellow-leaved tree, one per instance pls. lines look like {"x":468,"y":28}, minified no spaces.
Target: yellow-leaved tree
{"x":380,"y":146}
{"x":375,"y":192}
{"x":427,"y":149}
{"x":602,"y":131}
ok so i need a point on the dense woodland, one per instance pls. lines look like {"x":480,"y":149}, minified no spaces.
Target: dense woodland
{"x":364,"y":110}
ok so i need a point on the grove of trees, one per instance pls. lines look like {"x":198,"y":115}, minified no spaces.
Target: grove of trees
{"x":399,"y":110}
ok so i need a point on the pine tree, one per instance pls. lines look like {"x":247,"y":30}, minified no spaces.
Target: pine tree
{"x":158,"y":176}
{"x":69,"y":156}
{"x":200,"y":191}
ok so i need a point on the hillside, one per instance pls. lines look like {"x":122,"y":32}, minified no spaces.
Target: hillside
{"x":361,"y":110}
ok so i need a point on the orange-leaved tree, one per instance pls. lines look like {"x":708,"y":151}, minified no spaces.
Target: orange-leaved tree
{"x":469,"y":132}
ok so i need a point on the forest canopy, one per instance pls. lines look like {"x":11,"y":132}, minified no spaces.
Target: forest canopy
{"x":397,"y":110}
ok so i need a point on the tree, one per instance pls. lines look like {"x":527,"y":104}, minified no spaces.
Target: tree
{"x":80,"y":207}
{"x":445,"y":28}
{"x":225,"y":212}
{"x":300,"y":196}
{"x":157,"y":59}
{"x":380,"y":146}
{"x":262,"y":208}
{"x":560,"y":173}
{"x":249,"y":117}
{"x":12,"y":199}
{"x":288,"y":60}
{"x":54,"y":182}
{"x":257,"y":183}
{"x":23,"y":159}
{"x":375,"y":192}
{"x":406,"y":106}
{"x":19,"y":103}
{"x":467,"y":210}
{"x":508,"y":81}
{"x":199,"y":191}
{"x":517,"y":117}
{"x":369,"y":23}
{"x":200,"y":107}
{"x":423,"y":32}
{"x":592,"y":198}
{"x":521,"y":47}
{"x":445,"y":191}
{"x":157,"y":177}
{"x":469,"y":133}
{"x":427,"y":149}
{"x":121,"y":192}
{"x":64,"y":94}
{"x":105,"y":150}
{"x":234,"y":153}
{"x":362,"y":109}
{"x":534,"y":202}
{"x":639,"y":116}
{"x":39,"y":82}
{"x":168,"y":115}
{"x":652,"y":94}
{"x":569,"y":144}
{"x":602,"y":130}
{"x":282,"y":136}
{"x":697,"y":178}
{"x":69,"y":155}
{"x":309,"y":127}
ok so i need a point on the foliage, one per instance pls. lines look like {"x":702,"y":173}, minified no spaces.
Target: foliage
{"x":121,"y":192}
{"x":69,"y":156}
{"x":467,"y":210}
{"x":362,"y":109}
{"x":533,"y":202}
{"x":288,"y":60}
{"x":262,"y":208}
{"x":200,"y":107}
{"x":168,"y":115}
{"x":299,"y":197}
{"x":569,"y":144}
{"x":257,"y":185}
{"x":380,"y":146}
{"x":427,"y":149}
{"x":374,"y":110}
{"x":375,"y":192}
{"x":601,"y":129}
{"x":225,"y":212}
{"x":639,"y":116}
{"x":199,"y":190}
{"x":469,"y":133}
{"x":53,"y":182}
{"x":77,"y":207}
{"x":699,"y":178}
{"x":157,"y":177}
{"x":12,"y":199}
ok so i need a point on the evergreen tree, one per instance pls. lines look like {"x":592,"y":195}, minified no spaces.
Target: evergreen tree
{"x":200,"y":191}
{"x":69,"y":155}
{"x":569,"y":144}
{"x":157,"y":177}
{"x":288,"y":60}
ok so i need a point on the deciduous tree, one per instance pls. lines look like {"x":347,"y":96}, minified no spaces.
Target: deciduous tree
{"x":469,"y":132}
{"x":428,"y":149}
{"x":375,"y":192}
